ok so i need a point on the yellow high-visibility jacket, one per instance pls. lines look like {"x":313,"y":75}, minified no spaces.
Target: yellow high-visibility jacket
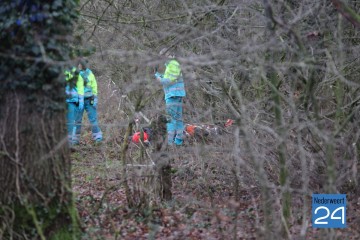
{"x":77,"y":90}
{"x":89,"y":82}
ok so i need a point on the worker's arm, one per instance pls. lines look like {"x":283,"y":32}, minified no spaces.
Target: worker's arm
{"x":80,"y":85}
{"x":80,"y":90}
{"x":93,"y":84}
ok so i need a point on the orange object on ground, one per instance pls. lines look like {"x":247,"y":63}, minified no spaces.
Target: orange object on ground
{"x":228,"y":123}
{"x":136,"y":137}
{"x":190,"y":129}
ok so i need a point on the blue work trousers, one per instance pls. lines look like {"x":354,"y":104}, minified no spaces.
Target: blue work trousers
{"x":92,"y":116}
{"x":175,"y":125}
{"x":71,"y":113}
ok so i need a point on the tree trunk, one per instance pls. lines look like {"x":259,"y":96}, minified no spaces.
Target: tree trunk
{"x":163,"y":167}
{"x":34,"y":158}
{"x":35,"y":184}
{"x":34,"y":165}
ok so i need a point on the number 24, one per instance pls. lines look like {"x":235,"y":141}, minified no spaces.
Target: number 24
{"x":317,"y":220}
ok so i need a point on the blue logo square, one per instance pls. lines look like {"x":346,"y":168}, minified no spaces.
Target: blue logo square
{"x":328,"y":210}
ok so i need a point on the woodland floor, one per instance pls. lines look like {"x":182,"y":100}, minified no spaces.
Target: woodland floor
{"x":200,"y":209}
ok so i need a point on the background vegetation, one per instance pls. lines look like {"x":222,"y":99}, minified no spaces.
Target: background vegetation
{"x":286,"y":71}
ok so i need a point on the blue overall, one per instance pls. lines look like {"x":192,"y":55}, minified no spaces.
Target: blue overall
{"x":74,"y":102}
{"x":92,"y":116}
{"x":174,"y":89}
{"x":175,"y":125}
{"x":71,"y":113}
{"x":90,"y":105}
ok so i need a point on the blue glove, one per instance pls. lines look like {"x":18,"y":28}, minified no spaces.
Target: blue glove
{"x":95,"y":101}
{"x":157,"y":74}
{"x":81,"y":103}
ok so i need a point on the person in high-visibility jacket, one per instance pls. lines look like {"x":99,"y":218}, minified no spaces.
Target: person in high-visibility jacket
{"x":74,"y":91}
{"x":90,"y":102}
{"x":174,"y":89}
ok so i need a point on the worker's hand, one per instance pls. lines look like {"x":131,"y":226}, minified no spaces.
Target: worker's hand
{"x":81,"y":103}
{"x":158,"y":75}
{"x":95,"y":101}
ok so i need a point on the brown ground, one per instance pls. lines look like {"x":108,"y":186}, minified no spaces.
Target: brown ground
{"x":203,"y":205}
